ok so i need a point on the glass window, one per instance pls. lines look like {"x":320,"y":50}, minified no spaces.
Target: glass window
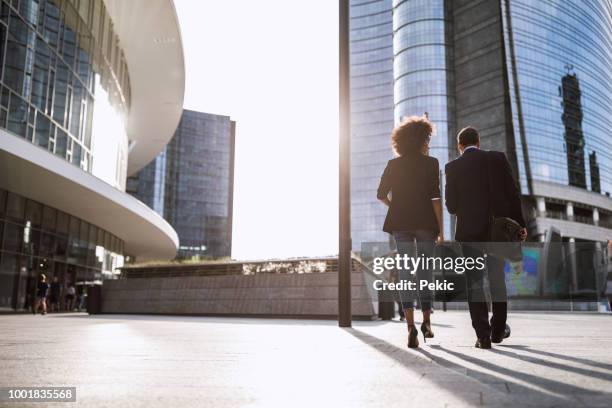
{"x":33,"y":213}
{"x":52,"y":24}
{"x":43,"y":130}
{"x":84,"y":231}
{"x":2,"y":41}
{"x":9,"y":265}
{"x":100,"y":240}
{"x":75,"y":114}
{"x":62,"y":222}
{"x":48,"y":219}
{"x":91,"y":245}
{"x":18,"y":116}
{"x":74,"y":227}
{"x":15,"y":206}
{"x":61,"y":93}
{"x":40,"y":77}
{"x":15,"y":65}
{"x":61,"y":143}
{"x":77,"y":151}
{"x":13,"y":237}
{"x":29,"y":11}
{"x":61,"y":247}
{"x":69,"y":48}
{"x":2,"y":201}
{"x":107,"y":241}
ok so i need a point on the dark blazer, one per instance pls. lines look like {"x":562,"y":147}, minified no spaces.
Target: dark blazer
{"x":413,"y":181}
{"x":468,"y":196}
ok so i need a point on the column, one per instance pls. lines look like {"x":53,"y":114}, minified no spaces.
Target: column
{"x":541,"y":206}
{"x":570,"y":211}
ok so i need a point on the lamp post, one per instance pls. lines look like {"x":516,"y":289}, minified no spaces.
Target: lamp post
{"x":344,"y":247}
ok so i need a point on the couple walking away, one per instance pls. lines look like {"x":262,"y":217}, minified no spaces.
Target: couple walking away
{"x":478,"y":184}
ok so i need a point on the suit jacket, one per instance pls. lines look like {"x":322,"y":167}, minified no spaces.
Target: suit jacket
{"x":468,"y":195}
{"x":413,"y":181}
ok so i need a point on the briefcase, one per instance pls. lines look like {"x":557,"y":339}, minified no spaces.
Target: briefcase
{"x":504,"y":238}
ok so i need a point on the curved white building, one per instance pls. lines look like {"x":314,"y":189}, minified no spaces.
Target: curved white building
{"x":90,"y":92}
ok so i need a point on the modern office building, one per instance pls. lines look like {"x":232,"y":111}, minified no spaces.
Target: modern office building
{"x":535,"y":77}
{"x":371,"y":77}
{"x":191,"y":183}
{"x":90,"y":91}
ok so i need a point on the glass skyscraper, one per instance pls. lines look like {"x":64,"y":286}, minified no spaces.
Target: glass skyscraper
{"x":534,"y":77}
{"x":72,"y":105}
{"x":190,"y":184}
{"x":422,"y":77}
{"x":371,"y":76}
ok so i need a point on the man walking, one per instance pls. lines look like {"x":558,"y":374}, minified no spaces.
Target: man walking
{"x":480,"y":183}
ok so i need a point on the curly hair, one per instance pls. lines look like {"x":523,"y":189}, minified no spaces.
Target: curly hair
{"x":411,"y":134}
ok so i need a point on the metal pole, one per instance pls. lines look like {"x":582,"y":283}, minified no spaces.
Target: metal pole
{"x":344,"y":248}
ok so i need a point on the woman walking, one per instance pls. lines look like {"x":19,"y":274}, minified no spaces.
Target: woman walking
{"x":410,"y":187}
{"x":41,"y":295}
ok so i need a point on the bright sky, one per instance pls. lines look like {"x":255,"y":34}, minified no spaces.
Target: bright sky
{"x":272,"y":65}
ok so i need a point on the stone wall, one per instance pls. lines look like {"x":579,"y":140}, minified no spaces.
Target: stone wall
{"x":269,"y":294}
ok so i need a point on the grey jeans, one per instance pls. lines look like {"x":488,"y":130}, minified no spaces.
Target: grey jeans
{"x":414,"y":244}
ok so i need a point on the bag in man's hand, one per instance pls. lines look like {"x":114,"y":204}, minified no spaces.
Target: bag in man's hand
{"x":505,"y":238}
{"x":504,"y":233}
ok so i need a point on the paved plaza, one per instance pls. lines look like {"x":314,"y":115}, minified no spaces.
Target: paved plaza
{"x":560,"y":359}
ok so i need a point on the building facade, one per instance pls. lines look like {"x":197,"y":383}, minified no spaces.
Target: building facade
{"x":534,"y":77}
{"x":191,"y":183}
{"x":371,"y":77}
{"x":71,"y":104}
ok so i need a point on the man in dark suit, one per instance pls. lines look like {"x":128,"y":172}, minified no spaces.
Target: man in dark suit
{"x":480,"y":183}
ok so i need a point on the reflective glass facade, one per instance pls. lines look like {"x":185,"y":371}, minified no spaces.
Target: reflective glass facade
{"x":535,"y":77}
{"x":35,"y":239}
{"x":56,"y":59}
{"x":560,"y":54}
{"x":421,"y":70}
{"x":190,"y":184}
{"x":371,"y":73}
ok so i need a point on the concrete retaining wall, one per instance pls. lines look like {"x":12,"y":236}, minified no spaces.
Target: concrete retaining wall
{"x":307,"y":295}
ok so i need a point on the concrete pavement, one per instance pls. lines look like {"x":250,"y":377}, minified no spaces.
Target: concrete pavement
{"x":560,"y":359}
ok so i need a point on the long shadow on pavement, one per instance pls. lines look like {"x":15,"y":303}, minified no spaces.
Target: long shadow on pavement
{"x":548,"y":363}
{"x":559,"y":356}
{"x":542,"y":382}
{"x":525,"y":395}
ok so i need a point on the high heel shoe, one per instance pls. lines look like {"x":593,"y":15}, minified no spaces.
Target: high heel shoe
{"x":413,"y":337}
{"x":427,"y":332}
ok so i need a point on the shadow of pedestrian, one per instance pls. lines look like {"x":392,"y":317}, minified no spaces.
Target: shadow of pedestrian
{"x":559,"y":356}
{"x":521,"y":395}
{"x":542,"y":382}
{"x":548,"y":363}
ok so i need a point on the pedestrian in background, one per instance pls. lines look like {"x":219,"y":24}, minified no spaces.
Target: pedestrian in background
{"x":70,"y":295}
{"x":55,"y":295}
{"x":41,"y":295}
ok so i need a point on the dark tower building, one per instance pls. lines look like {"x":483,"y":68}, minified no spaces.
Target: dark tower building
{"x":574,"y":138}
{"x":190,"y":184}
{"x":594,"y":168}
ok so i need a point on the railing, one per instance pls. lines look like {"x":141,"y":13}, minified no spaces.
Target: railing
{"x":560,"y":215}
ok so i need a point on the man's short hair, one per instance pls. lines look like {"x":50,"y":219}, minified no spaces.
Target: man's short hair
{"x":468,"y":136}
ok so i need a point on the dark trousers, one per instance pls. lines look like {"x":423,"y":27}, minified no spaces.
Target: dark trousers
{"x":477,"y":300}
